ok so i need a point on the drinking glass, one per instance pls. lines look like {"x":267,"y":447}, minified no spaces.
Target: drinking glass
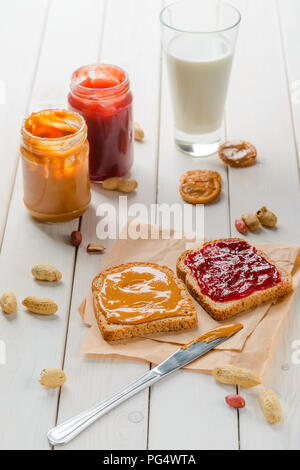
{"x":198,"y":38}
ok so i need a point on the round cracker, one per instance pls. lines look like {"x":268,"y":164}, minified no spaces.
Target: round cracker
{"x":237,"y":153}
{"x":200,"y":186}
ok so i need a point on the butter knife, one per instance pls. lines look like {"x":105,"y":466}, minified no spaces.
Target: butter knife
{"x":65,"y":432}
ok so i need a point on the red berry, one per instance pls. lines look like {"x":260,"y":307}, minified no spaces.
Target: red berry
{"x":235,"y":401}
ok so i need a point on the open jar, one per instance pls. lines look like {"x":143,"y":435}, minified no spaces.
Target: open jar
{"x":54,"y":151}
{"x":101,"y":94}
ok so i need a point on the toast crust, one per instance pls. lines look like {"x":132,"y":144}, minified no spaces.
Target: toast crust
{"x":223,"y":310}
{"x":117,"y":331}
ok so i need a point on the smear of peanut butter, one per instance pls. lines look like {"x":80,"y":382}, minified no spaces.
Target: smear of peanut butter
{"x":140,"y":293}
{"x":50,"y":124}
{"x":222,"y":331}
{"x":199,"y":184}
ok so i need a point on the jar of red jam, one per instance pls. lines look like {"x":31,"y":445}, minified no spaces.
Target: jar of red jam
{"x":101,"y":94}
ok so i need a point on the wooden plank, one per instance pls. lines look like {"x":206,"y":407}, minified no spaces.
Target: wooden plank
{"x":265,"y":120}
{"x":186,"y":410}
{"x":286,"y":369}
{"x":258,"y":110}
{"x":19,"y":53}
{"x":72,"y":39}
{"x":34,"y":343}
{"x":131,"y":40}
{"x":283,"y":377}
{"x":288,"y":12}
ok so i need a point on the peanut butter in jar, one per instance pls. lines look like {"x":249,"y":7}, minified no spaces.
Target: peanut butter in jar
{"x":54,"y":151}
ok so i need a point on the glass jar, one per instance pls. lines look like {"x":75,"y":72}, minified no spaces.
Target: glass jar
{"x":55,"y":152}
{"x":101,"y":94}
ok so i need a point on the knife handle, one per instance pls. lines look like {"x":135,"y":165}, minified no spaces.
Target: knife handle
{"x":65,"y":432}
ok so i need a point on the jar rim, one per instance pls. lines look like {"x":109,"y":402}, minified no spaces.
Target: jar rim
{"x":57,"y":146}
{"x":94,"y":92}
{"x":53,"y":140}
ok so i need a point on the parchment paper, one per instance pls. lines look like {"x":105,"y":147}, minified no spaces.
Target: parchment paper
{"x":252,"y":347}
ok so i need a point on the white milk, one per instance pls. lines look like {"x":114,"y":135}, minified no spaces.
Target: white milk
{"x":199,"y":69}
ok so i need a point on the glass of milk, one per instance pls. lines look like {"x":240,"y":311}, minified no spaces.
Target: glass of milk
{"x":198,"y":39}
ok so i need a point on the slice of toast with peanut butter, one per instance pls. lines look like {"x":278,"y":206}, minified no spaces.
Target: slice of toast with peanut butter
{"x":136,"y":299}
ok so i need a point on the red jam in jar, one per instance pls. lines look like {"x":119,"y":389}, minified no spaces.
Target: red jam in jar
{"x":101,"y":94}
{"x":231,"y":269}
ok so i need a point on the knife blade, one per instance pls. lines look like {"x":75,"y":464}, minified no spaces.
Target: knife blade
{"x":197,"y":348}
{"x":65,"y":432}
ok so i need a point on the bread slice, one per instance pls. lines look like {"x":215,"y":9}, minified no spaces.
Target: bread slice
{"x":223,"y":310}
{"x":117,"y":331}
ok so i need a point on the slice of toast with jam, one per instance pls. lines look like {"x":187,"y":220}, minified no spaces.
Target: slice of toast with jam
{"x":228,"y":276}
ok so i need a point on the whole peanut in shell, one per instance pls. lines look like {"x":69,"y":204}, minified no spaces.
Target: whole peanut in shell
{"x":139,"y":134}
{"x":52,"y":377}
{"x":232,"y":375}
{"x":8,"y":302}
{"x":270,"y":406}
{"x":111,"y":183}
{"x":125,"y":185}
{"x":266,"y":217}
{"x":46,"y":272}
{"x":42,"y":306}
{"x":251,"y":221}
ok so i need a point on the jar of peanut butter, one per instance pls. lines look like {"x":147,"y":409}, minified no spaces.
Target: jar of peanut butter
{"x":54,"y":151}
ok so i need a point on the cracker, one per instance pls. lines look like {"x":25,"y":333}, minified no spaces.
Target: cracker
{"x":200,"y":186}
{"x":237,"y":153}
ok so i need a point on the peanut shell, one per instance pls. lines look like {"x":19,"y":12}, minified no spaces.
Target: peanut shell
{"x":52,"y":377}
{"x":43,"y":306}
{"x":139,"y":134}
{"x":46,"y":272}
{"x":127,"y":185}
{"x":270,"y":406}
{"x":8,"y":302}
{"x":251,"y":221}
{"x":232,"y":375}
{"x":111,"y":183}
{"x":266,"y":217}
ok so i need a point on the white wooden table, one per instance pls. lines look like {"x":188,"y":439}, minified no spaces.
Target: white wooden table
{"x":41,"y":43}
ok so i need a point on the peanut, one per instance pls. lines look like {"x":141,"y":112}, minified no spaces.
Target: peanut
{"x":8,"y":302}
{"x":139,"y":134}
{"x":95,"y":248}
{"x":235,"y":401}
{"x":126,"y":185}
{"x":266,"y":217}
{"x":111,"y":183}
{"x":240,"y":226}
{"x":270,"y":405}
{"x":46,"y":272}
{"x":42,"y":306}
{"x":76,"y":238}
{"x":232,"y":375}
{"x":52,"y":377}
{"x":251,"y":221}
